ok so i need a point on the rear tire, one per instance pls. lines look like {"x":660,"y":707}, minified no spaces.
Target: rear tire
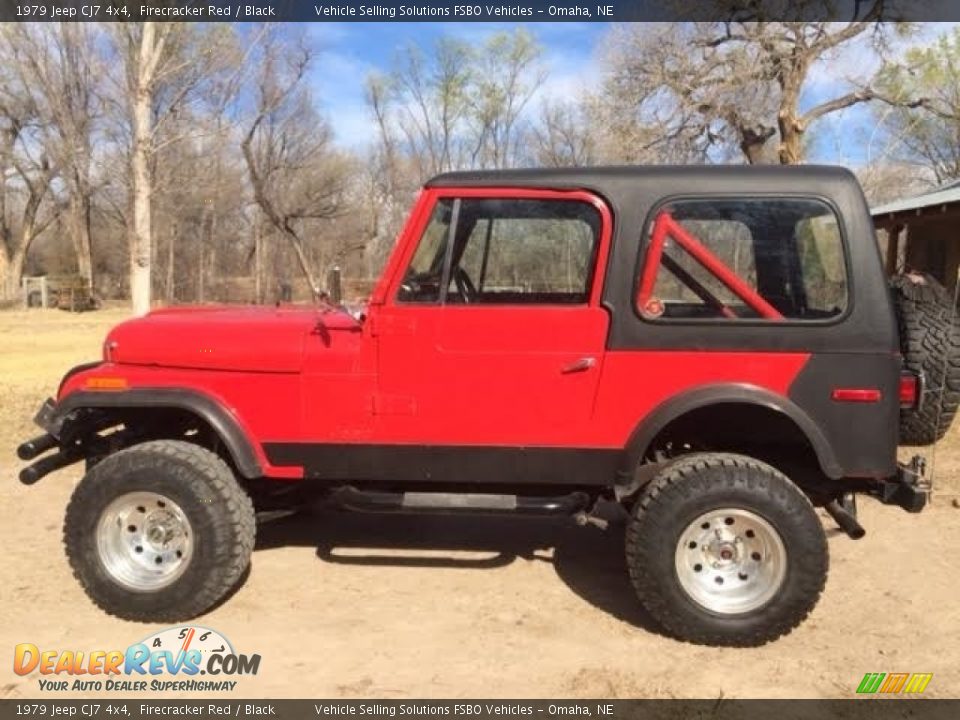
{"x":724,"y":550}
{"x":159,"y":532}
{"x":930,"y":343}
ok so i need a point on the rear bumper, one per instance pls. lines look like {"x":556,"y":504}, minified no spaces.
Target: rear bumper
{"x":908,"y":489}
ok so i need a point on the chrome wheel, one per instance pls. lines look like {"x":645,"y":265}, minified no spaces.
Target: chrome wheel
{"x":730,"y":561}
{"x":144,"y":541}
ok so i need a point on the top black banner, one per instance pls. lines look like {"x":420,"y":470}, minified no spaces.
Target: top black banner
{"x":461,"y":11}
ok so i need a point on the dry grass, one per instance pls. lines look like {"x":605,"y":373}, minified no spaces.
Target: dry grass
{"x":36,"y":348}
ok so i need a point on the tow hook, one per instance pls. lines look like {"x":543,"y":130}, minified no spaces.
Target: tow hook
{"x":910,"y":489}
{"x":844,"y":513}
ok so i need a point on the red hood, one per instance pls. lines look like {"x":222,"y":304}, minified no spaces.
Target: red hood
{"x":255,"y":338}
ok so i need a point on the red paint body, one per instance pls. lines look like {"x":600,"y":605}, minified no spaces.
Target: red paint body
{"x":498,"y":375}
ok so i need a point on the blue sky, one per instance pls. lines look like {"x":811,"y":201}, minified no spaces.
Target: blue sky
{"x":348,"y":52}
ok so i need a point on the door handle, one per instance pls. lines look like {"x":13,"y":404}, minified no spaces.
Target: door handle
{"x":581,"y":365}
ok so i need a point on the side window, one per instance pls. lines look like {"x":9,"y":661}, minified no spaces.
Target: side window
{"x":752,"y":258}
{"x":422,"y":281}
{"x":505,"y":251}
{"x":524,"y":251}
{"x":823,"y":268}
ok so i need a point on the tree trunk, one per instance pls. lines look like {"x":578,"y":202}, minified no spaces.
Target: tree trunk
{"x":171,"y":263}
{"x":258,"y":259}
{"x":11,"y":273}
{"x":753,"y":142}
{"x":268,"y":209}
{"x":7,"y":283}
{"x":80,"y":233}
{"x":11,"y":263}
{"x":791,"y":129}
{"x":791,"y":143}
{"x":141,"y":239}
{"x":200,"y":273}
{"x":211,"y":262}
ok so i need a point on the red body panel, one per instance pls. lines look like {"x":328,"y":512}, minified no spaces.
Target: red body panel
{"x":635,"y":383}
{"x":499,"y":375}
{"x":257,"y":339}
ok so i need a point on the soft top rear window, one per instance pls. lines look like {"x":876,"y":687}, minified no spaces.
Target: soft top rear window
{"x":778,"y":259}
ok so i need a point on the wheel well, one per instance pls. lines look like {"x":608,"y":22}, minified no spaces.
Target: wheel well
{"x":107,"y":430}
{"x":749,"y":429}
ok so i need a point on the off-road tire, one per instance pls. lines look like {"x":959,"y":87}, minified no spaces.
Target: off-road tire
{"x":699,"y":483}
{"x":930,"y":343}
{"x":221,"y":516}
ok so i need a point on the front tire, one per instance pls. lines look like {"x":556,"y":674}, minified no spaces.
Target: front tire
{"x":724,"y":550}
{"x":159,"y":532}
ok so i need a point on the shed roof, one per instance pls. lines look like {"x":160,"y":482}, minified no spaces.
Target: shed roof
{"x":944,"y":195}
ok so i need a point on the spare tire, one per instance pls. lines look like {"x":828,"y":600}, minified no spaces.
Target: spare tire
{"x":930,"y":343}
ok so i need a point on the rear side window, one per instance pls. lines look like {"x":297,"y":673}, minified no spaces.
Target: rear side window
{"x":744,"y":259}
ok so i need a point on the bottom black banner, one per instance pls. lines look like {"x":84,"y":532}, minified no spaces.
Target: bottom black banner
{"x":872,"y":708}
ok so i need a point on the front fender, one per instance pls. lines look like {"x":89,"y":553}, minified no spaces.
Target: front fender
{"x":222,"y":421}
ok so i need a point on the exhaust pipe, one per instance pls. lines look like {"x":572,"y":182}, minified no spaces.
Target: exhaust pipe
{"x":845,"y":520}
{"x":36,"y":447}
{"x":44,"y":466}
{"x":351,"y":498}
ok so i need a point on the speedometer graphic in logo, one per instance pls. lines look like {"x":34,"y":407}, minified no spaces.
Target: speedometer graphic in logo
{"x":189,"y":637}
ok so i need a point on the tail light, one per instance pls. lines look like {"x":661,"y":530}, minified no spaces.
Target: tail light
{"x":911,"y":390}
{"x":857,"y":395}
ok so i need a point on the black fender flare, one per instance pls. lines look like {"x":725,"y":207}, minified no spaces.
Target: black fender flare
{"x":735,"y":393}
{"x":221,"y":420}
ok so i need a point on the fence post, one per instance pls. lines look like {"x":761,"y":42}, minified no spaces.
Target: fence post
{"x":43,"y":291}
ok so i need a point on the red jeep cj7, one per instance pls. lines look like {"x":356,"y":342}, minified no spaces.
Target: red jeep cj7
{"x":713,"y":347}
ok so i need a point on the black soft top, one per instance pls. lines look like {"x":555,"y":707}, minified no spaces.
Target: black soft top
{"x":610,"y":178}
{"x":634,"y":192}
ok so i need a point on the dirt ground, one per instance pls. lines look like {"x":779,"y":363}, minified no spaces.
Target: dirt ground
{"x":367,"y":606}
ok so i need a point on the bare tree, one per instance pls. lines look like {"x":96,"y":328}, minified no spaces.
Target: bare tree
{"x":921,"y":125}
{"x":165,"y":66}
{"x":885,"y":181}
{"x":426,"y":98}
{"x":505,"y":75}
{"x":457,"y":106}
{"x":142,"y":52}
{"x":58,"y":63}
{"x":563,"y":136}
{"x":26,"y":172}
{"x":295,"y":176}
{"x":740,"y":84}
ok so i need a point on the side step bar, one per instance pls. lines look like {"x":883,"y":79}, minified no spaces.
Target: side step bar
{"x":351,"y":498}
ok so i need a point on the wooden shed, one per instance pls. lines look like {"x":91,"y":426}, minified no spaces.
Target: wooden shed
{"x":922,"y":233}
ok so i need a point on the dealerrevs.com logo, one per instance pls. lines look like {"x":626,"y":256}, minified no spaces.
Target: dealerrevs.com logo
{"x":171,"y":660}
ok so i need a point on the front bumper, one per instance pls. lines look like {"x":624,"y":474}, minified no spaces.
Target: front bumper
{"x":48,"y":418}
{"x":909,"y":489}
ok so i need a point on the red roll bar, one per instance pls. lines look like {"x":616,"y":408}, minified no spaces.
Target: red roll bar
{"x":665,"y":226}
